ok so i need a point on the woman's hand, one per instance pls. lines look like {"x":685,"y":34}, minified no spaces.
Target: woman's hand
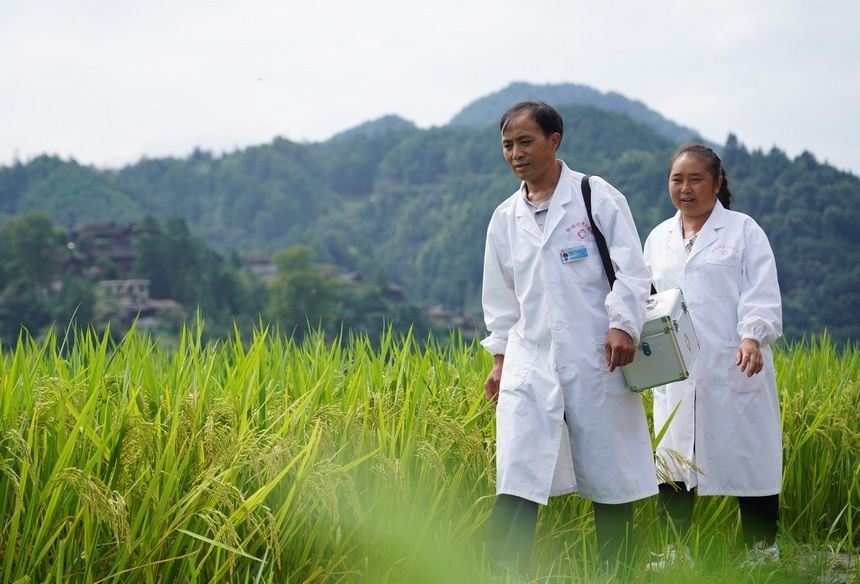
{"x":491,"y":385}
{"x":749,"y":357}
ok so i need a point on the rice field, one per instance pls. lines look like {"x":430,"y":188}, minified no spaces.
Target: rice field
{"x":352,"y":460}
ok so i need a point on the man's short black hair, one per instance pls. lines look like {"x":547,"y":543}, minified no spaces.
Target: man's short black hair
{"x":542,"y":113}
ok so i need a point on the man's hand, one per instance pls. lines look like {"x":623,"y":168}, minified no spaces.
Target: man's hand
{"x":491,"y":385}
{"x":620,"y":349}
{"x":749,"y":357}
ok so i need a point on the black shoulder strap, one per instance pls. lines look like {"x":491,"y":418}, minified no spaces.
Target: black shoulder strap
{"x":598,"y":236}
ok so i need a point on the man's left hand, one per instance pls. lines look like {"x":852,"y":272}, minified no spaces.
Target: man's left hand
{"x":749,"y":357}
{"x":620,"y":349}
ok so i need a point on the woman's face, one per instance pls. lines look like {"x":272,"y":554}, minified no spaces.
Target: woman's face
{"x":691,"y":187}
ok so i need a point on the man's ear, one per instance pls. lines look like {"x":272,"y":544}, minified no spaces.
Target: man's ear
{"x":555,"y":138}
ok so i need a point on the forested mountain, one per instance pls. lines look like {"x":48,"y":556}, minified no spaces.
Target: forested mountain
{"x":410,"y":204}
{"x":486,"y":110}
{"x":384,"y":125}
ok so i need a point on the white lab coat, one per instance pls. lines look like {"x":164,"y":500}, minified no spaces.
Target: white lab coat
{"x":550,"y":319}
{"x":728,"y":424}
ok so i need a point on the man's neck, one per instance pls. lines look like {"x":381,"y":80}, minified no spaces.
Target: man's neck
{"x":542,"y":188}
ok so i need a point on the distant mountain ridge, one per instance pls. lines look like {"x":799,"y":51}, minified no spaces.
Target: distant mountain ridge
{"x":487,"y":110}
{"x":383,"y":125}
{"x":413,"y":204}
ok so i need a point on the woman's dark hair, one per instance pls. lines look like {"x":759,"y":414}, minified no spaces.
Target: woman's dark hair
{"x":543,"y":114}
{"x":712,"y":163}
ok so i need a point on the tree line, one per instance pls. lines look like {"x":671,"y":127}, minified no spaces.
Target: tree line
{"x":410,"y":206}
{"x":45,"y":279}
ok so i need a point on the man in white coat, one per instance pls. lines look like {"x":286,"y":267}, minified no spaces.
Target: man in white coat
{"x":565,"y":420}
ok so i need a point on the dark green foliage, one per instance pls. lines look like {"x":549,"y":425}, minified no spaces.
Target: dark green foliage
{"x":302,"y":294}
{"x":351,"y":160}
{"x":29,"y":251}
{"x":21,"y":306}
{"x":385,"y":126}
{"x":487,"y":110}
{"x":372,"y":307}
{"x":59,"y":189}
{"x":810,"y":212}
{"x":76,"y":302}
{"x":306,"y":296}
{"x":33,"y":290}
{"x":411,"y":206}
{"x":180,"y":266}
{"x":257,"y":200}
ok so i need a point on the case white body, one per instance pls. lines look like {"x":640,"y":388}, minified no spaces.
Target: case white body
{"x":668,"y":345}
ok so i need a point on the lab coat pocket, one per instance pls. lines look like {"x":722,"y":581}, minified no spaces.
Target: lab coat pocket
{"x":612,"y":383}
{"x":586,"y":269}
{"x":738,"y":380}
{"x":720,"y":276}
{"x":520,"y":357}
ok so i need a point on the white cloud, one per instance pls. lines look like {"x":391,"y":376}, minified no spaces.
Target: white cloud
{"x":109,"y":81}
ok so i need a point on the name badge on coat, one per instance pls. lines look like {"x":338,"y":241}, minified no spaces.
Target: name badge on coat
{"x":573,"y":254}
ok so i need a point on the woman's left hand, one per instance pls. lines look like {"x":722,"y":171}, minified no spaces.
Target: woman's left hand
{"x":749,"y":357}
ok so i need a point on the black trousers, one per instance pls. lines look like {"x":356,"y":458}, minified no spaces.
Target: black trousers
{"x":759,"y":515}
{"x":511,"y":531}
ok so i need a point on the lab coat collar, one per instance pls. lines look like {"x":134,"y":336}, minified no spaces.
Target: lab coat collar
{"x":676,"y":238}
{"x":560,"y":197}
{"x":708,"y":234}
{"x":525,"y":217}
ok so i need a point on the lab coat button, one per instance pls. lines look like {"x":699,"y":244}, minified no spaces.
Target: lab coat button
{"x":553,"y":285}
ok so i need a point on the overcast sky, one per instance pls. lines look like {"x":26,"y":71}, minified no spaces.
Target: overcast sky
{"x":110,"y":81}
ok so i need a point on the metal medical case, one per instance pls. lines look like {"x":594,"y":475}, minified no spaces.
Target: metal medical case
{"x":668,"y":345}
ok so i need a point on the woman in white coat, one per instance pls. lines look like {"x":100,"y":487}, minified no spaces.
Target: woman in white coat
{"x":728,"y":421}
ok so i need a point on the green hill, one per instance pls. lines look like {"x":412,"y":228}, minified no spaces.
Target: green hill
{"x":413,"y":204}
{"x":380,"y":126}
{"x":487,"y":110}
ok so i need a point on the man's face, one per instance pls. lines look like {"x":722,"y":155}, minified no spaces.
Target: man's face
{"x":529,"y":153}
